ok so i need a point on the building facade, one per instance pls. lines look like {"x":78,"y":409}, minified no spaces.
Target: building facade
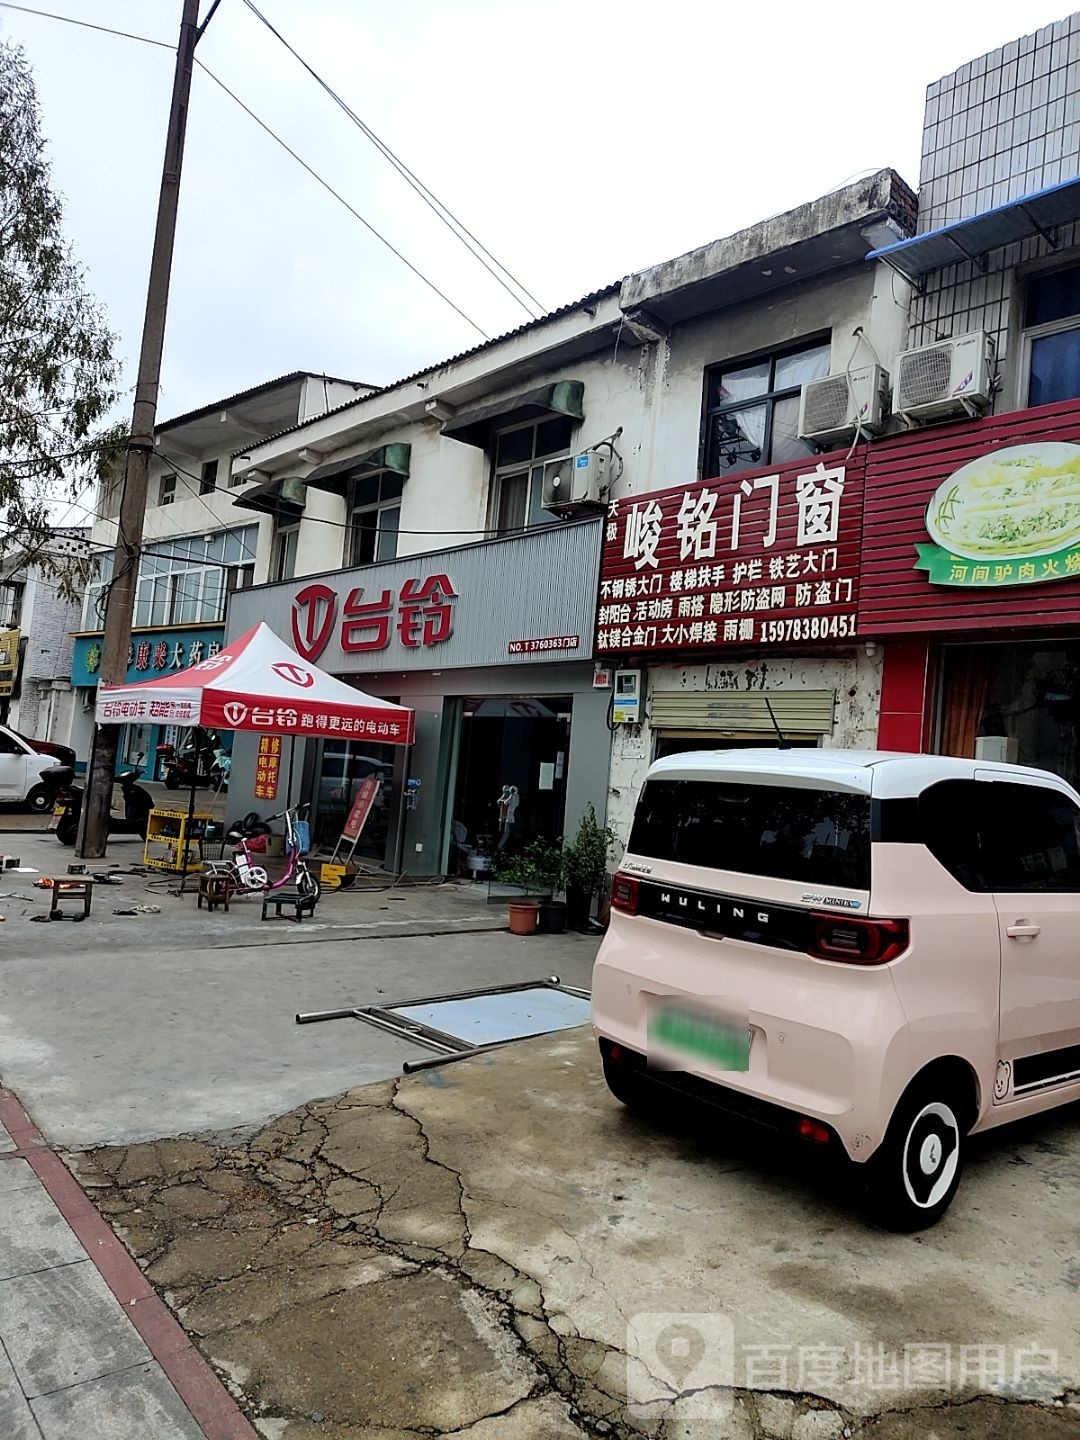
{"x":981,"y":632}
{"x":688,"y":370}
{"x":36,"y":619}
{"x":197,"y":549}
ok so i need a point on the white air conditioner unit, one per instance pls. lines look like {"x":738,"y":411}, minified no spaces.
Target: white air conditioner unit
{"x":577,"y":483}
{"x":838,"y":406}
{"x":950,"y":377}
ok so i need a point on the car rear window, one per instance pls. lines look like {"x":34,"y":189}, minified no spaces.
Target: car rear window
{"x":817,"y":837}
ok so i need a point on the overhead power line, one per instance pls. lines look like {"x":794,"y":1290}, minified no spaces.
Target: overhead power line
{"x":161,"y":44}
{"x":340,"y":198}
{"x":457,"y":228}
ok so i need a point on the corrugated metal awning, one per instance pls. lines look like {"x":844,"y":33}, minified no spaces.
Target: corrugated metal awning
{"x":971,"y":239}
{"x":283,"y":496}
{"x":336,"y":476}
{"x":798,"y":712}
{"x":474,"y":426}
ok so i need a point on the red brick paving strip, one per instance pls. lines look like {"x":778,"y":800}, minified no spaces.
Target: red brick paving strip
{"x":212,"y":1407}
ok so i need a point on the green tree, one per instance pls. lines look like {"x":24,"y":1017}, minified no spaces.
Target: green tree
{"x":58,"y":374}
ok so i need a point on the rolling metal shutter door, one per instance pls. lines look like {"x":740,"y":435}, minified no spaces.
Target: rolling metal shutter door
{"x":806,"y":712}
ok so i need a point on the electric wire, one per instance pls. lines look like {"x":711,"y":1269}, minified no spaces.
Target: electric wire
{"x":146,"y":40}
{"x":442,"y":211}
{"x":340,"y":198}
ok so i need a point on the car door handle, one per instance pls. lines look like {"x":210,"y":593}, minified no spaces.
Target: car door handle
{"x":1023,"y":930}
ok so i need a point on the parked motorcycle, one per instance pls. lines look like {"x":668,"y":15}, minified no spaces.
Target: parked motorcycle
{"x":200,"y":763}
{"x":68,"y":801}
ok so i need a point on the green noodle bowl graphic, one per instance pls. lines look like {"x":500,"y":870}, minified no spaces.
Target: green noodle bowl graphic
{"x":1012,"y":504}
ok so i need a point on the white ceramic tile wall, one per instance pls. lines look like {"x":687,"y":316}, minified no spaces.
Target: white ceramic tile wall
{"x":1002,"y":126}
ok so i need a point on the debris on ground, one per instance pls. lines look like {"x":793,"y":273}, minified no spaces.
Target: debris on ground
{"x":138,"y":910}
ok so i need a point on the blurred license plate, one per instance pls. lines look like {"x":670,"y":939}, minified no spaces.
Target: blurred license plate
{"x":686,"y":1032}
{"x":58,"y":810}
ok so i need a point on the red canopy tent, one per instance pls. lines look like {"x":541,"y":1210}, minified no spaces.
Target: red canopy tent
{"x":257,"y":683}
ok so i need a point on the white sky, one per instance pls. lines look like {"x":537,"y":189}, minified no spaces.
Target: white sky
{"x":578,"y":139}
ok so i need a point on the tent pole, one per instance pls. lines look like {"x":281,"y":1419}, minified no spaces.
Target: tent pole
{"x":187,"y":828}
{"x":292,"y":757}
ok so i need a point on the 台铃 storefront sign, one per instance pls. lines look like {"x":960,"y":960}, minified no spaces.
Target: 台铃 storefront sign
{"x":756,"y":558}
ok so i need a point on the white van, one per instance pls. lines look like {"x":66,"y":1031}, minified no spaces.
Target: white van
{"x":20,"y":773}
{"x":874,"y":953}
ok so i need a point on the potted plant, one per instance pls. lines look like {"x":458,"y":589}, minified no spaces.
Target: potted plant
{"x":586,"y":867}
{"x":537,"y":871}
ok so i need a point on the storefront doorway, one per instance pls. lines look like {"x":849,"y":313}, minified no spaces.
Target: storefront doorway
{"x":340,"y":768}
{"x":510,"y":786}
{"x":1017,"y":701}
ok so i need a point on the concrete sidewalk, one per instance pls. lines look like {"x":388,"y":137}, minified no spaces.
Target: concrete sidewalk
{"x":87,"y":1350}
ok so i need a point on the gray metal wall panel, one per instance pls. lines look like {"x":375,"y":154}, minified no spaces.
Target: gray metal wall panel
{"x":527,"y":587}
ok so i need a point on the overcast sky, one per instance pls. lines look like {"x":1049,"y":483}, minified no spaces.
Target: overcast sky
{"x":578,"y":139}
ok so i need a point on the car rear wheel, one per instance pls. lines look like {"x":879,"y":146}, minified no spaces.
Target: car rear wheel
{"x":629,"y":1089}
{"x":913,"y":1177}
{"x":39,"y":800}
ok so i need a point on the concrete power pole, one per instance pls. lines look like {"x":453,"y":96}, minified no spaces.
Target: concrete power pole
{"x":120,"y":603}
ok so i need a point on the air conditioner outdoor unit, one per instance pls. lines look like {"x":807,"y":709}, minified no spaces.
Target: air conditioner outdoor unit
{"x":837,"y":406}
{"x":577,"y":483}
{"x":951,"y":377}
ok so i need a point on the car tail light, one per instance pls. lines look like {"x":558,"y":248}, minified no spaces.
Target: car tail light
{"x":625,"y":890}
{"x":858,"y":941}
{"x":813,"y":1130}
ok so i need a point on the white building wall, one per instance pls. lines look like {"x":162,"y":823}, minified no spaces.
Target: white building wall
{"x":47,"y":621}
{"x":851,"y":673}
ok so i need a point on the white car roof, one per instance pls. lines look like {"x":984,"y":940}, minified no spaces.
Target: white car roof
{"x":885,"y":774}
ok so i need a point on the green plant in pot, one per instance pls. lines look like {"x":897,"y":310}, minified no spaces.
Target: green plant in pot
{"x":538,"y":871}
{"x":586,"y":867}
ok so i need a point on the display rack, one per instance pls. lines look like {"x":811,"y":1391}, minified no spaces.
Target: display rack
{"x":169,"y":833}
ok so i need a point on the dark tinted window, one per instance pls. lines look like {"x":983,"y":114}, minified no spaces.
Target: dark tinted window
{"x":1030,"y":839}
{"x":951,"y":827}
{"x":818,"y":837}
{"x":1053,"y":297}
{"x":1000,"y":836}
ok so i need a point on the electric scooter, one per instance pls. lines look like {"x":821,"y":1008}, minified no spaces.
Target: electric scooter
{"x":68,"y":802}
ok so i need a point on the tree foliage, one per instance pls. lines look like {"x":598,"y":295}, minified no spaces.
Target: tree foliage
{"x":58,"y":374}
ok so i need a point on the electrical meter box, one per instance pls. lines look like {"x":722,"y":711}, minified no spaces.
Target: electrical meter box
{"x":626,"y":708}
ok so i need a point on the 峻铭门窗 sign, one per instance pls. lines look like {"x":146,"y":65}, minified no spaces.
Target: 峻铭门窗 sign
{"x":750,"y":558}
{"x":1010,"y":517}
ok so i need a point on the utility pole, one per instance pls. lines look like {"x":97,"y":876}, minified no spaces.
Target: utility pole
{"x":120,"y":602}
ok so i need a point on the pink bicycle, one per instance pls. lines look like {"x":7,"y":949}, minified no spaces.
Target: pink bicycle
{"x":246,"y":874}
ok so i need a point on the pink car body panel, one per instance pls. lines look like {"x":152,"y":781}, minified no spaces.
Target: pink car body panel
{"x":840,"y":1042}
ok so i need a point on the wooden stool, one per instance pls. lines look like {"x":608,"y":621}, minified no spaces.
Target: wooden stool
{"x":215,"y":888}
{"x":278,"y":898}
{"x":68,"y":889}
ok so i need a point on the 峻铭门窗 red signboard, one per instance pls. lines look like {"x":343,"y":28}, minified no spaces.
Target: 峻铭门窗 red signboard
{"x":764,"y":557}
{"x":974,"y":526}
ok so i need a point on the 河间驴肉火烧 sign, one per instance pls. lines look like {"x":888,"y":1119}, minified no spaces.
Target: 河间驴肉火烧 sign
{"x":754,"y":558}
{"x":1010,"y":517}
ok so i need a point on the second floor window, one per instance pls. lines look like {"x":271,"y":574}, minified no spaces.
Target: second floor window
{"x":283,"y":561}
{"x":374,"y":518}
{"x":517,"y":484}
{"x":752,"y":409}
{"x":168,"y":488}
{"x":183,"y":581}
{"x":208,"y":482}
{"x":1052,"y":336}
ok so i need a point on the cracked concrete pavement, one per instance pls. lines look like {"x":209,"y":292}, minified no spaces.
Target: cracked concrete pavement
{"x":459,"y":1252}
